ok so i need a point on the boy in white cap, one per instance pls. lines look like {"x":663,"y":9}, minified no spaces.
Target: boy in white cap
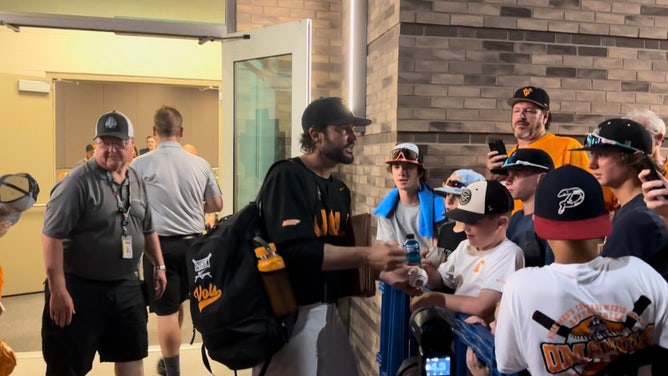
{"x":450,"y":234}
{"x":478,"y":268}
{"x":584,"y":311}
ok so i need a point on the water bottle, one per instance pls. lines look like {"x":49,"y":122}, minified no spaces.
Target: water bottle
{"x":275,"y":280}
{"x":412,"y":248}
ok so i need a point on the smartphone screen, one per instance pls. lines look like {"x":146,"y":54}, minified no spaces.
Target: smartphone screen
{"x":437,"y":366}
{"x":498,"y":146}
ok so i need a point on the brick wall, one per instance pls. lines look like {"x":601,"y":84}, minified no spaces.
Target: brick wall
{"x":327,"y":57}
{"x":461,"y":60}
{"x":439,"y":73}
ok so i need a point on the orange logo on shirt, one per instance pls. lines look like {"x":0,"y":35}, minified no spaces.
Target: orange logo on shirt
{"x":478,"y":266}
{"x":327,"y":224}
{"x":290,"y":222}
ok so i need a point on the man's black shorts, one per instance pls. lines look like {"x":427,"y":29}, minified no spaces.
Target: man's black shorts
{"x":174,"y":250}
{"x":110,"y":318}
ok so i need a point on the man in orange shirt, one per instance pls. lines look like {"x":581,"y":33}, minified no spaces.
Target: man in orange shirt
{"x":530,"y":121}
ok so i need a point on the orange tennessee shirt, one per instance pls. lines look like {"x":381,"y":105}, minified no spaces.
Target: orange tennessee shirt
{"x":558,"y":147}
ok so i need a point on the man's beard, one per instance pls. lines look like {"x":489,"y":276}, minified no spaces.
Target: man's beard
{"x":336,"y":154}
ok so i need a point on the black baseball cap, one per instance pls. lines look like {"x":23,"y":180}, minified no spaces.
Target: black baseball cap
{"x":531,"y":94}
{"x":114,"y":124}
{"x":330,"y":111}
{"x":526,"y":159}
{"x":621,"y":134}
{"x":570,"y":206}
{"x":480,"y":199}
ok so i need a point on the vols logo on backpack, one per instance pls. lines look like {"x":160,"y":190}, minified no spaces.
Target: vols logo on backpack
{"x":204,"y":295}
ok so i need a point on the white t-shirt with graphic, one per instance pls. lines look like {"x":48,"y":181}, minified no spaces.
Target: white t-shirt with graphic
{"x":468,"y":270}
{"x":574,"y":319}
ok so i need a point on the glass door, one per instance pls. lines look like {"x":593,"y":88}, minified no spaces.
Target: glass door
{"x":265,"y":88}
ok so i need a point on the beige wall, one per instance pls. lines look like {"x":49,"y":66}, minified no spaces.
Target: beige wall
{"x":27,"y":145}
{"x":80,"y":103}
{"x":28,"y":119}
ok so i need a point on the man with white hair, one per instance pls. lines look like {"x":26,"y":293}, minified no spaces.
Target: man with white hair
{"x":657,"y":129}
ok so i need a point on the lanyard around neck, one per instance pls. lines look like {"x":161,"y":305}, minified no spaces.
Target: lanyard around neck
{"x":122,"y":206}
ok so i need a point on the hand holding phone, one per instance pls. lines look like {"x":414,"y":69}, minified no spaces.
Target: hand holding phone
{"x":653,"y":172}
{"x":498,"y":146}
{"x":649,"y":165}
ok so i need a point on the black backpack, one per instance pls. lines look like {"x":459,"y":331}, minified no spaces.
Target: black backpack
{"x":228,"y":302}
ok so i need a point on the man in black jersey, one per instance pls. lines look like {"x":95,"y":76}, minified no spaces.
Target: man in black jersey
{"x":306,"y":211}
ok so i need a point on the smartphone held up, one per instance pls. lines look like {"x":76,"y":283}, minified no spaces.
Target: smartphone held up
{"x":498,"y":146}
{"x":653,"y":171}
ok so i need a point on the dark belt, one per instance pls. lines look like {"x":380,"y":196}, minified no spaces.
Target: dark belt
{"x":180,"y":237}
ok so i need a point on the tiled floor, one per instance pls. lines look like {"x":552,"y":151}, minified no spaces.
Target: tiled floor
{"x":20,"y":328}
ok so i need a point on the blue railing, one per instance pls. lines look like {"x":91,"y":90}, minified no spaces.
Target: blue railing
{"x":395,"y":336}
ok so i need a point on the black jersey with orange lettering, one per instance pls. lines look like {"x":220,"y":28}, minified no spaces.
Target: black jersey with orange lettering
{"x":302,"y":211}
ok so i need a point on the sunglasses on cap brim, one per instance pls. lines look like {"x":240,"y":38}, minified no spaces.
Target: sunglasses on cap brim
{"x":404,"y":155}
{"x":514,"y":161}
{"x":453,"y":183}
{"x":592,"y":140}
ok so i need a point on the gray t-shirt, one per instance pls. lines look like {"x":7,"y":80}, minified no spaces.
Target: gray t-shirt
{"x":178,"y":183}
{"x":84,"y":212}
{"x":403,"y":221}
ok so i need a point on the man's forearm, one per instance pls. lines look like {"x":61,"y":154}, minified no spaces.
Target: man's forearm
{"x":337,"y":257}
{"x":52,"y":252}
{"x":152,"y":249}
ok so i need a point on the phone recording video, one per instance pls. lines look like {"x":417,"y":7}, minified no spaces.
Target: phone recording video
{"x":437,"y":366}
{"x":653,"y":172}
{"x":498,"y":146}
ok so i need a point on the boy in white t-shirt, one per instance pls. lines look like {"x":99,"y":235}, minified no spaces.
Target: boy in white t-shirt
{"x":583,"y":312}
{"x":480,"y":265}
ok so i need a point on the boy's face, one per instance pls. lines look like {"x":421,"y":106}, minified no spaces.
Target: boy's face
{"x":522,"y":183}
{"x":485,"y":233}
{"x":608,"y":169}
{"x":406,"y":176}
{"x":451,"y":201}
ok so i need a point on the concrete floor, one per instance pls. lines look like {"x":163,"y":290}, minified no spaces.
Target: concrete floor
{"x":20,"y":327}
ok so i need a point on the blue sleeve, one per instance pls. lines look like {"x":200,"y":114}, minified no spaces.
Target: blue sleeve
{"x":636,"y":234}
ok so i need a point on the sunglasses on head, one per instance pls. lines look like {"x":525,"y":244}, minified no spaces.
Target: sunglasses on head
{"x":404,"y":155}
{"x":592,"y":139}
{"x":453,"y":183}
